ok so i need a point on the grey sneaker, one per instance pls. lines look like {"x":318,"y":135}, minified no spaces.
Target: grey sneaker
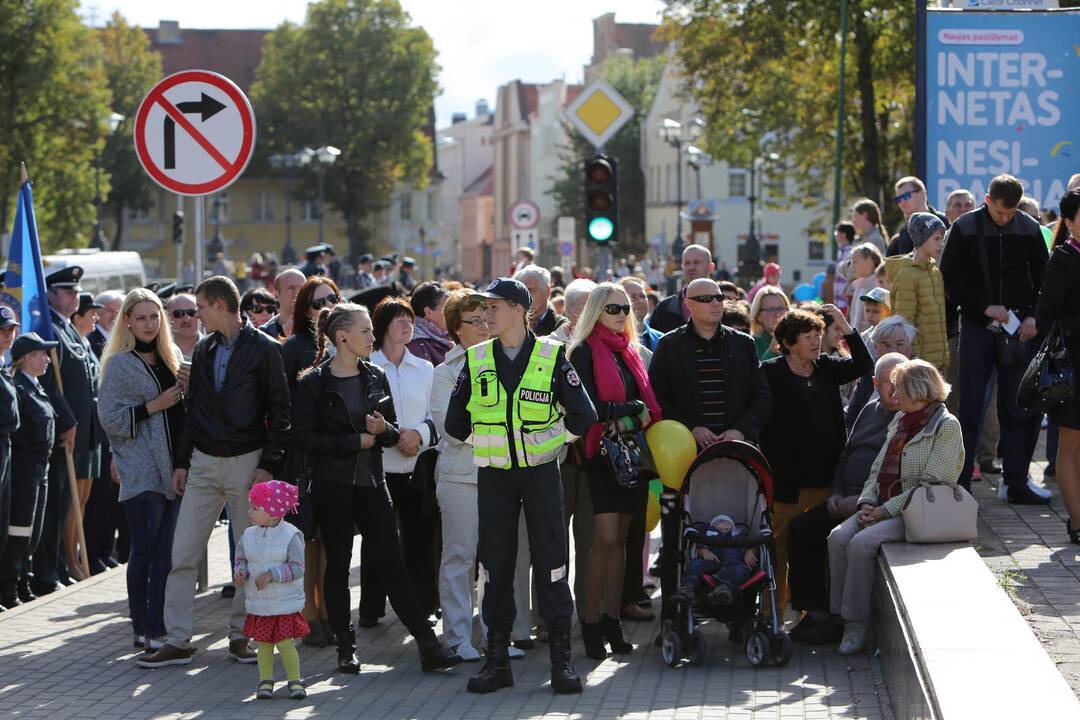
{"x":166,"y":656}
{"x":854,"y":637}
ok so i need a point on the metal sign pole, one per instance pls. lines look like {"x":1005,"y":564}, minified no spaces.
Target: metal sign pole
{"x":180,"y":245}
{"x":199,"y":205}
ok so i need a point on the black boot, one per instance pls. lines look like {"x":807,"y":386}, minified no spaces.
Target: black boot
{"x":594,"y":641}
{"x":564,"y":680}
{"x":433,"y":656}
{"x":25,"y":593}
{"x":9,"y":596}
{"x":496,"y":671}
{"x":611,"y":630}
{"x":346,"y":652}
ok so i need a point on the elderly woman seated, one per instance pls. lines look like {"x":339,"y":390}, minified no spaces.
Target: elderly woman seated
{"x":923,"y":441}
{"x":893,"y":334}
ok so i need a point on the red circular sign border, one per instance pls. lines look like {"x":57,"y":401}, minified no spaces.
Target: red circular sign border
{"x":247,"y":116}
{"x":536,"y":211}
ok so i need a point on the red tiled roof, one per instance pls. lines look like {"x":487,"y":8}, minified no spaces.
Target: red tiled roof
{"x":483,"y":185}
{"x":233,"y":53}
{"x":572,"y":92}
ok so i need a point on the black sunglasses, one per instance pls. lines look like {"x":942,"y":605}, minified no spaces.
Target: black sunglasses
{"x":706,"y":299}
{"x":615,"y":309}
{"x":331,"y":299}
{"x":178,"y":314}
{"x":256,"y":308}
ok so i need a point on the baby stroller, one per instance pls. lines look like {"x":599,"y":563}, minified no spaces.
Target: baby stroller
{"x":734,"y":479}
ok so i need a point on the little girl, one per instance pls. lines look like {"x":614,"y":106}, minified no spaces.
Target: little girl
{"x":865,"y":259}
{"x":270,"y":560}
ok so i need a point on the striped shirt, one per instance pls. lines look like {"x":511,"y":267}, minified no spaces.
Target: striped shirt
{"x":712,"y":385}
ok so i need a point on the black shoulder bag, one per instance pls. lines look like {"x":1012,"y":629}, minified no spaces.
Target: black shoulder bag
{"x":622,"y":453}
{"x":1048,"y":381}
{"x":1008,"y":348}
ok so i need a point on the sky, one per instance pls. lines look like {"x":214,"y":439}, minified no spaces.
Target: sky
{"x":481,"y":43}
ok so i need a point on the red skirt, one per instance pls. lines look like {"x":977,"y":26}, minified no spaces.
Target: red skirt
{"x":275,"y":628}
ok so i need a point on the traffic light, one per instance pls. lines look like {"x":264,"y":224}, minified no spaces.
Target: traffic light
{"x":178,"y":227}
{"x":601,"y":200}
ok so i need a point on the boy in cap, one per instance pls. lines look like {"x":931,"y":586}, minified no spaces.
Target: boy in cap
{"x":918,"y":288}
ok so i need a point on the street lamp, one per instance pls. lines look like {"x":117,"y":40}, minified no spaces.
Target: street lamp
{"x":698,"y":157}
{"x":291,"y":164}
{"x":98,"y":238}
{"x":750,"y":253}
{"x":671,"y":132}
{"x":323,"y":157}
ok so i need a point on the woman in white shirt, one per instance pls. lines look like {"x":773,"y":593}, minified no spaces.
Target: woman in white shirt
{"x":410,"y":380}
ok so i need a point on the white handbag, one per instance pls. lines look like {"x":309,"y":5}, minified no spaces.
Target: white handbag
{"x":939,"y":512}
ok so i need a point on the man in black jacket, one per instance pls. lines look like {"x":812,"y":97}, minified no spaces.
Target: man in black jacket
{"x":911,"y":198}
{"x":236,"y":432}
{"x":544,"y":318}
{"x":992,"y":265}
{"x":673,"y":311}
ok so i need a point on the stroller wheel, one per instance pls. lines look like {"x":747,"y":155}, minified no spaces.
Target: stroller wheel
{"x":671,"y":648}
{"x":757,"y":649}
{"x":699,"y":648}
{"x":781,"y":649}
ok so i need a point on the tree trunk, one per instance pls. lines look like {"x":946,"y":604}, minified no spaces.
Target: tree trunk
{"x":118,"y":235}
{"x":872,"y":182}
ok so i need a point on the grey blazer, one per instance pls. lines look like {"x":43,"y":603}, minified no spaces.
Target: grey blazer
{"x":142,"y":450}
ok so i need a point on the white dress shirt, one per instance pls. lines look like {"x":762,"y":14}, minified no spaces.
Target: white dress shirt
{"x":410,"y":384}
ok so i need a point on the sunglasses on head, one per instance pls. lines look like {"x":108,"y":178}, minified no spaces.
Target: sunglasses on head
{"x":706,"y":299}
{"x":256,"y":308}
{"x":905,"y":196}
{"x":615,"y":309}
{"x":331,"y":299}
{"x":178,"y":314}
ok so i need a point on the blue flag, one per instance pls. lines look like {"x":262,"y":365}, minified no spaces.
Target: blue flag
{"x":24,"y":284}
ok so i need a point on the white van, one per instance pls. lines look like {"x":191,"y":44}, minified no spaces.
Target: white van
{"x":102,"y":270}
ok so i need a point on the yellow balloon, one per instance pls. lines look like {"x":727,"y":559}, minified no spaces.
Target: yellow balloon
{"x":673,"y":450}
{"x":652,"y":513}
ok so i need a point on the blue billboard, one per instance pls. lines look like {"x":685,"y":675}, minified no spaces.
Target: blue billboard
{"x":1002,"y":96}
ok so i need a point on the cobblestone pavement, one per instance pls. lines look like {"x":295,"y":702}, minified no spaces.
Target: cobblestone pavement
{"x":69,"y":656}
{"x":1027,"y":549}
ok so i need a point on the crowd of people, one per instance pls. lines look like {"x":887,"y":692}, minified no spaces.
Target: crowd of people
{"x":465,"y":433}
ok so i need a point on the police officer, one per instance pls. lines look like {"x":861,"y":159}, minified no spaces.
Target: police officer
{"x":520,"y":400}
{"x":313,"y":263}
{"x":9,"y":422}
{"x":31,"y":446}
{"x":74,"y":426}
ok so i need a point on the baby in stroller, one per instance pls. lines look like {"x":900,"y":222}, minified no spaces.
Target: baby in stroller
{"x":721,"y":570}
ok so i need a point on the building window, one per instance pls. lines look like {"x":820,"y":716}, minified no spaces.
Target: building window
{"x":405,"y":206}
{"x":309,"y":210}
{"x":816,"y":250}
{"x":430,"y":197}
{"x":264,"y":207}
{"x":737,"y":183}
{"x":139,"y":214}
{"x":667,"y":183}
{"x":219,"y":207}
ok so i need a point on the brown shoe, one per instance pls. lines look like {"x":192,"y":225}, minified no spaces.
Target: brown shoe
{"x":241,"y":652}
{"x":167,"y":655}
{"x":636,"y":613}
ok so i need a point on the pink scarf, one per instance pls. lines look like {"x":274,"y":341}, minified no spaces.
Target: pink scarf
{"x":609,"y":385}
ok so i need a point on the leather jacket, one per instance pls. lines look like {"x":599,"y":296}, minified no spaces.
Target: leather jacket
{"x":329,"y":433}
{"x":252,"y":410}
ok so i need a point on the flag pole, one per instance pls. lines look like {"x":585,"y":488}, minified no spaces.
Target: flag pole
{"x":23,"y":176}
{"x":73,"y":485}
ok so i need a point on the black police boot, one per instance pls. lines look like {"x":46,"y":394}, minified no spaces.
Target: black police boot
{"x":564,"y":680}
{"x":496,"y":671}
{"x":25,"y":593}
{"x":346,"y":652}
{"x":9,"y":597}
{"x":433,"y":656}
{"x":612,"y":631}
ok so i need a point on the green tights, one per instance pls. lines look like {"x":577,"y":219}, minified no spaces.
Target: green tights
{"x":290,"y":659}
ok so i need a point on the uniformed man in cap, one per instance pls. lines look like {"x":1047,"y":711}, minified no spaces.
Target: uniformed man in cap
{"x":518,"y":401}
{"x":364,"y":278}
{"x":313,"y":264}
{"x":9,"y":422}
{"x":331,"y":263}
{"x":405,"y":276}
{"x":74,"y":426}
{"x":381,"y":272}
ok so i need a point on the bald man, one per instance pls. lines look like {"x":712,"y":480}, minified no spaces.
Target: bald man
{"x":673,"y":311}
{"x":286,"y":285}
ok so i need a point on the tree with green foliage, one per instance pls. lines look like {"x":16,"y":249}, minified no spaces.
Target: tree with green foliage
{"x":55,"y":102}
{"x":637,"y":81}
{"x":131,"y":67}
{"x":779,"y":60}
{"x":359,"y":76}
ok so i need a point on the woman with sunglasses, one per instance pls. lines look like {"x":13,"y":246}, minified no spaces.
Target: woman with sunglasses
{"x":604,"y":352}
{"x":769,"y":305}
{"x":298,"y":352}
{"x":259,"y":306}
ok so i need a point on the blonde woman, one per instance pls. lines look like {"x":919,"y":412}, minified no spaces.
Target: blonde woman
{"x":924,"y":441}
{"x":770,"y":304}
{"x":604,"y":352}
{"x":140,"y":410}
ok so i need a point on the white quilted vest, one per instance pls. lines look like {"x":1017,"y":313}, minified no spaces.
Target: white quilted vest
{"x":264,"y":548}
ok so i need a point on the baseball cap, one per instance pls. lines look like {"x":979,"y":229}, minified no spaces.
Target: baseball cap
{"x":7,"y":317}
{"x":28,"y":343}
{"x":507,"y":289}
{"x":877,"y":295}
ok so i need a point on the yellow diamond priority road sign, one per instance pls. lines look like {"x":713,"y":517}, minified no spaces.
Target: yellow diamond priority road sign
{"x":599,"y":112}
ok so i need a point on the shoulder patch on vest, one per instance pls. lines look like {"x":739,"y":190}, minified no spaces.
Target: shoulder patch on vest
{"x":572,"y":378}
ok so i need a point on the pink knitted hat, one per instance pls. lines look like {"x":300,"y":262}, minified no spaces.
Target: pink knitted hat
{"x":277,"y":498}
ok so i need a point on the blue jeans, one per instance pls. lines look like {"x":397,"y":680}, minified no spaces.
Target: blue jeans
{"x":152,"y":521}
{"x":734,"y":573}
{"x":1019,"y":428}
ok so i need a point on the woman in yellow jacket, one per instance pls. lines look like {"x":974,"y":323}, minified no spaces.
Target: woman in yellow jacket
{"x":918,"y":289}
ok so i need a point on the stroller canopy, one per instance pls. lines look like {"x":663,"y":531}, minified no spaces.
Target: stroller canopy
{"x":730,"y":478}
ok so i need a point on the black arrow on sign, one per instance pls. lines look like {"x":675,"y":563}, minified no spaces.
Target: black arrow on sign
{"x":207,"y":106}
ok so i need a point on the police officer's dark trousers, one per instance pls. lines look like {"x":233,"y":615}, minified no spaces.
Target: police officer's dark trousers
{"x":49,"y":564}
{"x":5,"y":488}
{"x":28,"y":484}
{"x":500,"y":496}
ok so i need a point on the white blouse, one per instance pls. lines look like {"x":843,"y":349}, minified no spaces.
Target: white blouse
{"x":410,"y":385}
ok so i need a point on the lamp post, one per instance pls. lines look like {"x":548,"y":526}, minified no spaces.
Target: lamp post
{"x":698,"y":157}
{"x":98,"y":238}
{"x":750,"y":253}
{"x":291,"y":164}
{"x":671,"y":132}
{"x":323,"y":157}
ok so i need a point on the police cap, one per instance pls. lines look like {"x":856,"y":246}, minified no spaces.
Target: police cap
{"x":28,"y":343}
{"x":66,"y":277}
{"x":7,"y":317}
{"x":507,"y":289}
{"x":86,"y":302}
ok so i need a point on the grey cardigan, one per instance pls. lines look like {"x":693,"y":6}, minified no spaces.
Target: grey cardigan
{"x":142,"y":451}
